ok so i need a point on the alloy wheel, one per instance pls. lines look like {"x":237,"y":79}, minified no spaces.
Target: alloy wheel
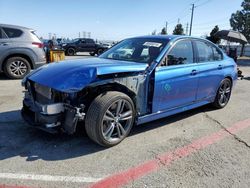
{"x":18,"y":68}
{"x":224,"y":93}
{"x":117,"y":120}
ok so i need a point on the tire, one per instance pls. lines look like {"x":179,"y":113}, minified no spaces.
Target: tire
{"x":223,"y":94}
{"x":92,"y":53}
{"x":99,"y":51}
{"x":103,"y":124}
{"x":16,"y":67}
{"x":71,"y":51}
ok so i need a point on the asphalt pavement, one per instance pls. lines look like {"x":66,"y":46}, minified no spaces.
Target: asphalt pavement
{"x":203,"y":147}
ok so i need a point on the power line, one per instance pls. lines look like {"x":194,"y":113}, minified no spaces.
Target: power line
{"x":218,"y":21}
{"x":204,"y":3}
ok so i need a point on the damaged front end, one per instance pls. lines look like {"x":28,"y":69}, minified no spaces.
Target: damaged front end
{"x":51,"y":110}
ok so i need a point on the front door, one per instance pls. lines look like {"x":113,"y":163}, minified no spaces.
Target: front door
{"x":176,"y":82}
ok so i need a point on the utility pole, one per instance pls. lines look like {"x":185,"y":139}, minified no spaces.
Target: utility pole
{"x":178,"y":20}
{"x":167,"y":27}
{"x":187,"y":29}
{"x":191,"y":23}
{"x":79,"y":34}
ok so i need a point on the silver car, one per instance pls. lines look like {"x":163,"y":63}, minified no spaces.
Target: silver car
{"x":20,"y":51}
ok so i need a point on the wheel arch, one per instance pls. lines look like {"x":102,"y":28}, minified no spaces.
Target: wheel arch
{"x":230,"y":78}
{"x":17,"y":55}
{"x":90,"y":93}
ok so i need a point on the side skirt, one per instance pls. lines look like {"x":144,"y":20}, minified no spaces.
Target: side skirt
{"x":162,"y":114}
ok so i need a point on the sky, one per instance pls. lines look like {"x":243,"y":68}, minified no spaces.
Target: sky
{"x":115,"y":19}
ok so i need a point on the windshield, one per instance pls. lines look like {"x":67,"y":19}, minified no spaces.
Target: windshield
{"x":142,"y":50}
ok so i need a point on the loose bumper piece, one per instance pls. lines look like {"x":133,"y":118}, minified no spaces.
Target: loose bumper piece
{"x":51,"y":117}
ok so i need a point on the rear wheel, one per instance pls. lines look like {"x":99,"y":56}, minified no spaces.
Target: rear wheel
{"x":223,"y":94}
{"x":110,"y":118}
{"x":16,"y":67}
{"x":99,"y":51}
{"x":71,"y":51}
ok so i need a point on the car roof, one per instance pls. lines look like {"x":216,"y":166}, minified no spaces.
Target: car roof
{"x":15,"y":26}
{"x":169,"y":37}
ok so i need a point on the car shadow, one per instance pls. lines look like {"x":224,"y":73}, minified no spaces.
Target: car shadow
{"x":246,"y":78}
{"x":18,"y":139}
{"x":3,"y":77}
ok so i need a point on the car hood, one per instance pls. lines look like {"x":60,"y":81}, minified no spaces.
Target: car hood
{"x":74,"y":75}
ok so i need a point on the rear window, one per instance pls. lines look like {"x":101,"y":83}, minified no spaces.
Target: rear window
{"x":90,"y":41}
{"x":34,"y":34}
{"x":12,"y":33}
{"x":205,"y":52}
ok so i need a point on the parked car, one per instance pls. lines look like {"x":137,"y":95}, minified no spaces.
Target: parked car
{"x":164,"y":75}
{"x":20,"y":51}
{"x":83,"y":45}
{"x":107,"y":45}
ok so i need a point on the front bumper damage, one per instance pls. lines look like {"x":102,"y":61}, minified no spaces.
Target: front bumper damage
{"x":53,"y":117}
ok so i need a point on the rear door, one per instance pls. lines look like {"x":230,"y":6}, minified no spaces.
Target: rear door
{"x":11,"y":38}
{"x":4,"y":44}
{"x":90,"y":45}
{"x":211,"y":70}
{"x":82,"y":45}
{"x":176,"y":78}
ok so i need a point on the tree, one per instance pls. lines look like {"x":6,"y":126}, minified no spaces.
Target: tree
{"x":178,"y":30}
{"x":212,"y":36}
{"x":154,"y":32}
{"x":163,"y":31}
{"x":240,"y":21}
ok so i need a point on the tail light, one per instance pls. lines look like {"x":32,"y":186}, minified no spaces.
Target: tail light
{"x":38,"y":44}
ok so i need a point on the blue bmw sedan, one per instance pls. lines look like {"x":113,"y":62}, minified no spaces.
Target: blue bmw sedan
{"x":136,"y":81}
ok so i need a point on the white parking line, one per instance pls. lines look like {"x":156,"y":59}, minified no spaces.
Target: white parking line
{"x":73,"y":179}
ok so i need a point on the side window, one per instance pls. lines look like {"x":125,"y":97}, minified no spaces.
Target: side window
{"x":90,"y":41}
{"x":12,"y":33}
{"x":217,"y":54}
{"x":181,"y":53}
{"x":83,"y":41}
{"x":205,"y":52}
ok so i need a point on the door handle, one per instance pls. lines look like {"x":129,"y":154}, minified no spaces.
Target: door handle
{"x":194,"y":72}
{"x":220,"y":67}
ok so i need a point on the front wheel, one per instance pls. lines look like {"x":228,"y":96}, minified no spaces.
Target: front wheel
{"x":110,"y":118}
{"x":223,"y":94}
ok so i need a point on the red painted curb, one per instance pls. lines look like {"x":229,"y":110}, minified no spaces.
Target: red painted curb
{"x":127,"y":176}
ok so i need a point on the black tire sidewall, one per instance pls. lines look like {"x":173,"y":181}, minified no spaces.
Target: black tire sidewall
{"x":102,"y":110}
{"x":216,"y":102}
{"x":72,"y":51}
{"x":99,"y":51}
{"x":7,"y":70}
